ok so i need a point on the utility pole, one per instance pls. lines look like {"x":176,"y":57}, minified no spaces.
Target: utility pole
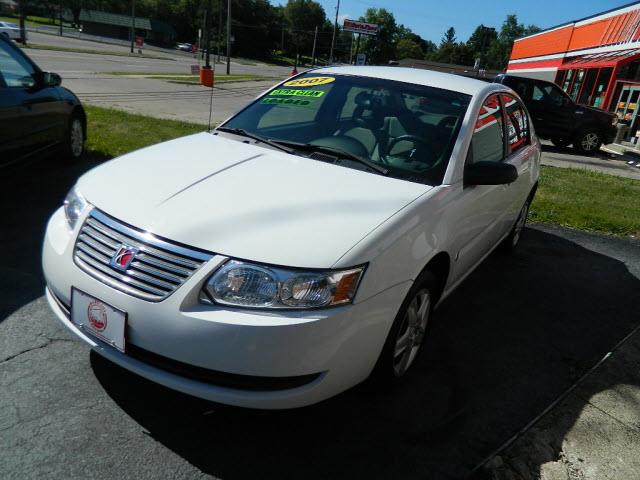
{"x":219,"y":28}
{"x":351,"y":49}
{"x":333,"y":39}
{"x":313,"y":52}
{"x":228,"y":37}
{"x":23,"y":32}
{"x":206,"y":38}
{"x":133,"y":23}
{"x":282,"y":40}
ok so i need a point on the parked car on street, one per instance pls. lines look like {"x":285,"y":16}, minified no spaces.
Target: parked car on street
{"x":300,"y":247}
{"x":558,"y":118}
{"x":185,"y":47}
{"x":37,"y":115}
{"x":11,"y":31}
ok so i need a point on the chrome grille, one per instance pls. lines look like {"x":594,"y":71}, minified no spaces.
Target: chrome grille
{"x":157,"y":269}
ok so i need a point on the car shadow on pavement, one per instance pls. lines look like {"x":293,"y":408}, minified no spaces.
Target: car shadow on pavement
{"x":29,"y":193}
{"x":516,"y":335}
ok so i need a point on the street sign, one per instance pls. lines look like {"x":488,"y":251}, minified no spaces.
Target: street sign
{"x":361,"y":59}
{"x":195,"y":69}
{"x":360,"y":27}
{"x":139,"y":41}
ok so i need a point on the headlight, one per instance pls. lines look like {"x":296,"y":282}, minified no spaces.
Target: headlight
{"x":242,"y":284}
{"x":74,"y":205}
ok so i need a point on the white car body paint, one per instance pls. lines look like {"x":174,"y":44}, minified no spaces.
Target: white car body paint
{"x":245,"y":200}
{"x":11,"y":30}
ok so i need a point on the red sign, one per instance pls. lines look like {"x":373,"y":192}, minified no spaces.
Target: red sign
{"x":360,"y":27}
{"x":97,"y":315}
{"x":139,"y":41}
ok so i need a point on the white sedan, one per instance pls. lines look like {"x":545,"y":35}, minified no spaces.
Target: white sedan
{"x":11,"y":30}
{"x":301,"y":247}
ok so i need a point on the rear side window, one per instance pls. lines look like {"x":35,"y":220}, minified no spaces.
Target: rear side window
{"x":488,"y":142}
{"x":517,"y":123}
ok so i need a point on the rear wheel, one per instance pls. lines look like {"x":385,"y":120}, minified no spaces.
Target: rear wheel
{"x":74,"y":140}
{"x":405,"y":339}
{"x":587,"y":141}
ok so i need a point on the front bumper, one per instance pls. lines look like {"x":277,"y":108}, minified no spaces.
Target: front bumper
{"x":609,"y":135}
{"x":322,"y":352}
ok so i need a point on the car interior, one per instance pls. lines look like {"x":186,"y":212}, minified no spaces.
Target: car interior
{"x":408,"y":130}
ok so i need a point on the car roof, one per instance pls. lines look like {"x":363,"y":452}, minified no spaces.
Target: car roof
{"x":430,"y":78}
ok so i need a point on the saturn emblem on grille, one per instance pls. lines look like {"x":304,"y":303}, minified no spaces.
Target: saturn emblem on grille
{"x":123,"y":257}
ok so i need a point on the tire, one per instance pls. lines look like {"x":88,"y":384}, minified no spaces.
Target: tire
{"x":74,"y":138}
{"x":561,"y":142}
{"x":395,"y":360}
{"x":587,"y":141}
{"x":510,"y":243}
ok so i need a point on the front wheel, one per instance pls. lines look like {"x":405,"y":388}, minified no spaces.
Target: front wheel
{"x":510,"y":243}
{"x":408,"y":331}
{"x":587,"y":141}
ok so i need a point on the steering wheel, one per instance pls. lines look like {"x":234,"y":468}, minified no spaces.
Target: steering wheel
{"x":431,"y":162}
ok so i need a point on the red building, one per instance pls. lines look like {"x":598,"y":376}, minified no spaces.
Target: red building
{"x":595,"y":60}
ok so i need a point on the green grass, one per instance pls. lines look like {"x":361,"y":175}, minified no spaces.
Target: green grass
{"x":37,"y":46}
{"x":573,"y":198}
{"x":586,"y":200}
{"x":114,"y":132}
{"x":32,"y":21}
{"x":193,"y":79}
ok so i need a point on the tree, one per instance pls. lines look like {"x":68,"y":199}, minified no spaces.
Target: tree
{"x":407,"y":48}
{"x":382,"y":48}
{"x":302,"y":17}
{"x":449,"y":37}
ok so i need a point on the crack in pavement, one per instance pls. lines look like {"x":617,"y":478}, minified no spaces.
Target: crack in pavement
{"x":50,"y":341}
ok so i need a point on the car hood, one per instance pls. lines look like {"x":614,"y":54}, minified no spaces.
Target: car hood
{"x":246,"y":201}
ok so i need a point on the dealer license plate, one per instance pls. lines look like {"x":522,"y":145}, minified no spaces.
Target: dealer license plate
{"x":98,"y":319}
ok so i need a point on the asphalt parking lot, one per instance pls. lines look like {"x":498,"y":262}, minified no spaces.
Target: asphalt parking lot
{"x":516,"y":335}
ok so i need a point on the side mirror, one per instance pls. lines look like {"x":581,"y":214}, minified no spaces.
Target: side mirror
{"x":490,"y":173}
{"x":51,"y":79}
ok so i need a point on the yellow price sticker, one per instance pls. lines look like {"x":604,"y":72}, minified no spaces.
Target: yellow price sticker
{"x":309,"y":82}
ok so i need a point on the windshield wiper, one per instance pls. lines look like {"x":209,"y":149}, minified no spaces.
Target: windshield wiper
{"x":243,"y":133}
{"x":337,"y":152}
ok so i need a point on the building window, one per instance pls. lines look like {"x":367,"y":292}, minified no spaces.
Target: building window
{"x":567,"y":80}
{"x":577,"y":84}
{"x":589,"y":82}
{"x":601,"y":87}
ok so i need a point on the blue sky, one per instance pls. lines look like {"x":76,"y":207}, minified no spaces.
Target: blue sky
{"x":430,"y":18}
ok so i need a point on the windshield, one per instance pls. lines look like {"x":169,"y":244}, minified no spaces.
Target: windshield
{"x":408,"y":129}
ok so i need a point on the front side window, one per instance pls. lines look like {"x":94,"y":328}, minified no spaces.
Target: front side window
{"x":15,"y":70}
{"x":517,"y":123}
{"x":488,"y":136}
{"x":409,"y":130}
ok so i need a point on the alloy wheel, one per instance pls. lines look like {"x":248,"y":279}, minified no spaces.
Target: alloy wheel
{"x":76,"y":138}
{"x":411,"y":332}
{"x":590,"y":142}
{"x":519,"y":226}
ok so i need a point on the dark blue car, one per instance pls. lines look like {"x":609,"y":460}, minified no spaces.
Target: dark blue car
{"x":37,"y":115}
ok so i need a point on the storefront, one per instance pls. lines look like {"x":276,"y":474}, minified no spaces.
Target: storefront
{"x":595,"y":60}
